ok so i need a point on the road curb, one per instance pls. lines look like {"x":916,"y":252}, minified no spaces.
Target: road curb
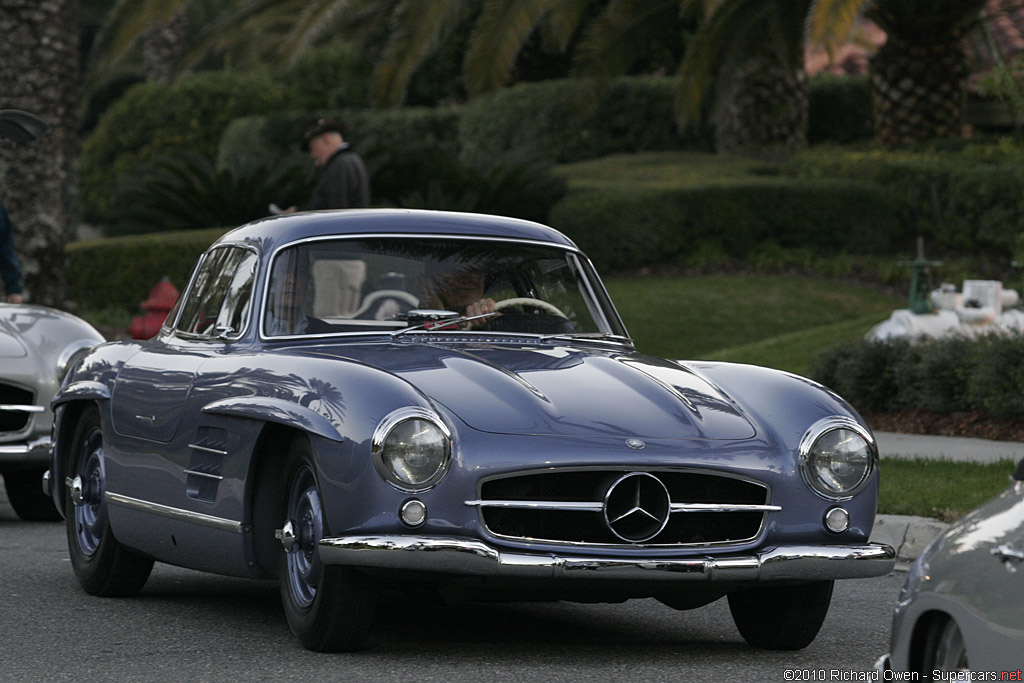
{"x":908,"y":534}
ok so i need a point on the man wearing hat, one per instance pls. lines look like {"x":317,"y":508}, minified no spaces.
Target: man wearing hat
{"x":344,"y":182}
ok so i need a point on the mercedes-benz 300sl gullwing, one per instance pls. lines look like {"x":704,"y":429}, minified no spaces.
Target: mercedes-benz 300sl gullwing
{"x":449,"y":404}
{"x":37,"y":347}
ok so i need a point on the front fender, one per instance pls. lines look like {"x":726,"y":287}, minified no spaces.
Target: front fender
{"x":275,"y":410}
{"x":84,"y":390}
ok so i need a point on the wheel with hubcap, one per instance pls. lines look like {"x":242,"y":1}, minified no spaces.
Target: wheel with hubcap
{"x":103,"y":566}
{"x":781,"y":617}
{"x":329,"y":608}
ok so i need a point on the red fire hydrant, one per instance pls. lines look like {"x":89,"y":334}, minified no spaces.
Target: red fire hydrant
{"x":157,"y":306}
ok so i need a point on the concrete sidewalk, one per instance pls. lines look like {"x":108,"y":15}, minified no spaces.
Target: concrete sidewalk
{"x":910,"y":535}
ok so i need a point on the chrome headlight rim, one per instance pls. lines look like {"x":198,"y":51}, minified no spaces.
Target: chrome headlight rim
{"x":384,"y":429}
{"x":820,"y":429}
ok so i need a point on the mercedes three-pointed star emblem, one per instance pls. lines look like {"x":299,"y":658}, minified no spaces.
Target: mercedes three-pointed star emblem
{"x":637,"y":507}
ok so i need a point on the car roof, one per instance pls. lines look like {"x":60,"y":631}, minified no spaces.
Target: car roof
{"x":273,"y":232}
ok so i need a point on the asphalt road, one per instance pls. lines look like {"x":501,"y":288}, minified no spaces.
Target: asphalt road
{"x":192,"y":626}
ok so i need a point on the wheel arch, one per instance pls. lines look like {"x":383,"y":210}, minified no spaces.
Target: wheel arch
{"x":266,"y":493}
{"x":66,"y":418}
{"x":923,"y":628}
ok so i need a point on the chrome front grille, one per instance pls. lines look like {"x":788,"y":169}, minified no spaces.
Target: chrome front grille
{"x":596,"y":507}
{"x":16,"y":408}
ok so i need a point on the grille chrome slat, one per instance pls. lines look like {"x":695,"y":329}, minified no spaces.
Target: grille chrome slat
{"x":570,"y":507}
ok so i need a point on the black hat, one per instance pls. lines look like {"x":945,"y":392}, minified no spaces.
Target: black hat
{"x":319,"y":127}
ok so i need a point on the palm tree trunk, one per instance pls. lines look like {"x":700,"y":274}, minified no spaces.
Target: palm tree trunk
{"x":917,"y":91}
{"x":39,"y":69}
{"x":763,"y":108}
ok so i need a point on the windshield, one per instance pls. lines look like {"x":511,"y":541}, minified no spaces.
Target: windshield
{"x":372,"y":285}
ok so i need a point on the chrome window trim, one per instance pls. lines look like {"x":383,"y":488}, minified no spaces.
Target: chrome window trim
{"x":186,"y":336}
{"x":177,"y":514}
{"x":480,"y":504}
{"x":819,"y":429}
{"x":569,"y":249}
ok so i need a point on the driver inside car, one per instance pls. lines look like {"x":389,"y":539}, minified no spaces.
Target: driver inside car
{"x":461,"y":291}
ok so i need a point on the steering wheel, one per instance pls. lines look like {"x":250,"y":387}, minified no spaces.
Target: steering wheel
{"x":527,"y":301}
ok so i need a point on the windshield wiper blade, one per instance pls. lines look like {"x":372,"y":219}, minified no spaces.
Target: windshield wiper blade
{"x":593,"y":336}
{"x":442,"y":325}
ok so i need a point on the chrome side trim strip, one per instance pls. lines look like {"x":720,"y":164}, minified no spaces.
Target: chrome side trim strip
{"x":598,"y":506}
{"x":205,"y":475}
{"x":21,"y":408}
{"x":207,"y":449}
{"x":176,"y":514}
{"x":466,"y":556}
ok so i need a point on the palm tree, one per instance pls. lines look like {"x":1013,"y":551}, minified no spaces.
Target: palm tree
{"x":917,"y":75}
{"x":39,"y":67}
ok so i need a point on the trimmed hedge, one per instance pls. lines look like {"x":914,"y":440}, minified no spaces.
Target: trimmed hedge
{"x":939,"y":375}
{"x":156,"y":118}
{"x":839,"y":109}
{"x":569,"y":120}
{"x":966,"y":201}
{"x":632,"y":227}
{"x":119,"y":272}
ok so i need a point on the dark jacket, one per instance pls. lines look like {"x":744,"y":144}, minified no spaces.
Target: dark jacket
{"x":344,"y":183}
{"x":10,"y":269}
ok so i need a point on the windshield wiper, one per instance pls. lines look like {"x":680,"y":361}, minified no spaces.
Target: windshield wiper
{"x":443,"y":324}
{"x":594,"y":336}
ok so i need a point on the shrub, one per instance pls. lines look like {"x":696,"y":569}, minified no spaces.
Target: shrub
{"x":639,"y":226}
{"x":332,"y":76}
{"x":951,"y":374}
{"x":141,"y":261}
{"x":839,"y":109}
{"x":186,"y":191}
{"x":568,"y":120}
{"x":394,"y":143}
{"x":963,"y":201}
{"x":155,"y":118}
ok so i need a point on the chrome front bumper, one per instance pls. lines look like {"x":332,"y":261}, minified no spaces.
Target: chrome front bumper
{"x":26,"y":451}
{"x":474,"y":558}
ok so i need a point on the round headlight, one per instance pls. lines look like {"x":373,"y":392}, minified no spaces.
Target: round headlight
{"x":837,"y":456}
{"x":411,"y":449}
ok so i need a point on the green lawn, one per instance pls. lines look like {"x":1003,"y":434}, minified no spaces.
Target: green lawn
{"x":941,"y":489}
{"x":771,"y":320}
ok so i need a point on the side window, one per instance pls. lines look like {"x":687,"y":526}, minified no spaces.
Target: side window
{"x":221,"y":296}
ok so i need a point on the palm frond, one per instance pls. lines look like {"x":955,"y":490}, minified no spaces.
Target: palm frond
{"x":831,"y":22}
{"x":496,"y":40}
{"x":563,"y":21}
{"x":122,"y":28}
{"x":614,"y":40}
{"x":734,"y":31}
{"x":416,"y":29}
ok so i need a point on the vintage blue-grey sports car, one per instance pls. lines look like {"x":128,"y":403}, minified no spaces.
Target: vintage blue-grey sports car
{"x":38,"y":345}
{"x":449,"y":404}
{"x":960,"y":613}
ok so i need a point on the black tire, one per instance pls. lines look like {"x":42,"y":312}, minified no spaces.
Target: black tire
{"x":944,"y":648}
{"x":102,"y":565}
{"x":781,"y":617}
{"x":329,"y":608}
{"x":25,"y":491}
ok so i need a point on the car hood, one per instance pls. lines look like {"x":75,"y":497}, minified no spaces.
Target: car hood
{"x":563,"y":390}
